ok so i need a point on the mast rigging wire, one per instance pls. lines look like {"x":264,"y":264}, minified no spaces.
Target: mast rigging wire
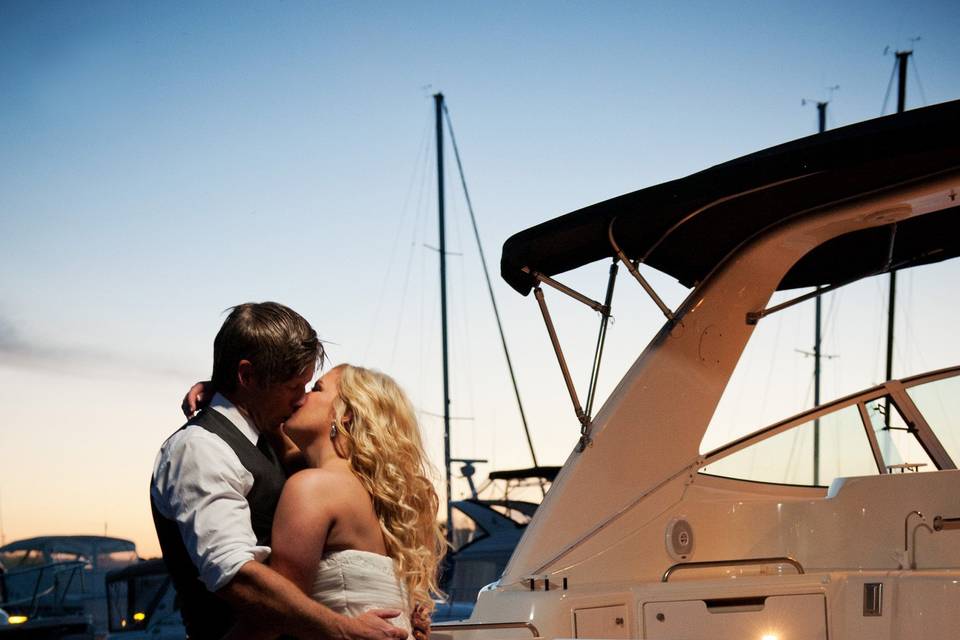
{"x":418,"y":167}
{"x":493,"y":300}
{"x":886,"y":96}
{"x":916,"y":74}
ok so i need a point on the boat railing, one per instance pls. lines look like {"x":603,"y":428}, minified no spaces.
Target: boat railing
{"x":52,"y":579}
{"x":711,"y":564}
{"x":441,"y":627}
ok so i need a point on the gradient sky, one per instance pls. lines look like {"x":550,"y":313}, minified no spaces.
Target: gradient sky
{"x":162,"y":161}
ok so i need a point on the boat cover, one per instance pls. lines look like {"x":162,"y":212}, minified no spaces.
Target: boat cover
{"x":686,"y":227}
{"x":534,"y":473}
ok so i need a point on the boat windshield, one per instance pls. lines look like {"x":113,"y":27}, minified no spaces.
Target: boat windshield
{"x":132,"y":601}
{"x":908,"y":427}
{"x":21,"y":558}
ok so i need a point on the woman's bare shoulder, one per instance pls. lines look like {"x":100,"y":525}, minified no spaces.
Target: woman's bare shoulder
{"x":324,"y":485}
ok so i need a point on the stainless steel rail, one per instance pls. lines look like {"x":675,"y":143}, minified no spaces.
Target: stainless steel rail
{"x":731,"y":563}
{"x":485,"y":626}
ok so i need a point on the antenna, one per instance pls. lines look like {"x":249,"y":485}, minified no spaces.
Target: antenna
{"x":900,"y":66}
{"x":821,"y":106}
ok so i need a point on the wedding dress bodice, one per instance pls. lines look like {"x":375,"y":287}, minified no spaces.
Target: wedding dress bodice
{"x":352,"y":582}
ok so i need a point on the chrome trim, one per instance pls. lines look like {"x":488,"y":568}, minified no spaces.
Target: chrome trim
{"x":906,"y":522}
{"x":484,"y":626}
{"x":731,"y":563}
{"x":945,"y":524}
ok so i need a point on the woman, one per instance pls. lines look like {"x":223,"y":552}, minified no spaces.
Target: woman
{"x":357,"y":529}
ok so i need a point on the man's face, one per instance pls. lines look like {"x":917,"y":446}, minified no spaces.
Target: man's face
{"x":272,"y":404}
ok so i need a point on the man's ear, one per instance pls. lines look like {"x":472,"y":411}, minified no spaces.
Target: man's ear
{"x":246,"y":375}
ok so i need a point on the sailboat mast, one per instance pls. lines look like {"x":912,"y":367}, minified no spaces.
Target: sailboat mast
{"x":902,"y":57}
{"x":438,"y":103}
{"x":822,"y":126}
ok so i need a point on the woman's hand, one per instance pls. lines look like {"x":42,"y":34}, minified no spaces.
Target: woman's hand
{"x":198,"y":397}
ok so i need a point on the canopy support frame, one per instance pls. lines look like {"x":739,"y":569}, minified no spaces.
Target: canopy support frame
{"x":562,"y":288}
{"x":564,"y":369}
{"x":601,"y":340}
{"x":753,"y":317}
{"x":635,"y":272}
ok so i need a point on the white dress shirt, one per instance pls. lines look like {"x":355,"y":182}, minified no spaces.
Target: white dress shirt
{"x":199,"y":482}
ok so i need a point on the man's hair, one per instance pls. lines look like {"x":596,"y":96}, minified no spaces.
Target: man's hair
{"x":279,"y":343}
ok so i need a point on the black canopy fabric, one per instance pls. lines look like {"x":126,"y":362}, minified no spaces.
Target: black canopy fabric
{"x":545,"y":473}
{"x":689,"y":225}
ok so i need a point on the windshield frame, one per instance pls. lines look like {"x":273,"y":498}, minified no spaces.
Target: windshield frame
{"x":896,"y":390}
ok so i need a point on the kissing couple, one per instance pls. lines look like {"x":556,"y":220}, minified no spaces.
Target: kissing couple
{"x":285,"y":513}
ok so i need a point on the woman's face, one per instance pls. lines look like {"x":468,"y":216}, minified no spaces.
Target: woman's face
{"x":316,"y":414}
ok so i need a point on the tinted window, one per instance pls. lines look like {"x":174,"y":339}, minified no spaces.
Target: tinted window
{"x":788,"y":457}
{"x":939,"y":402}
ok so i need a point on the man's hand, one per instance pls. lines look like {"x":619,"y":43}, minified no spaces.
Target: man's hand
{"x":373,"y":625}
{"x":198,"y":397}
{"x":420,"y":621}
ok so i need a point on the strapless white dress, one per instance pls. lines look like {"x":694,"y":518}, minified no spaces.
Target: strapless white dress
{"x":353,"y":582}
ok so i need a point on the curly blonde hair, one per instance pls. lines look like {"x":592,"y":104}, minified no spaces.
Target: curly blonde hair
{"x":382,"y":442}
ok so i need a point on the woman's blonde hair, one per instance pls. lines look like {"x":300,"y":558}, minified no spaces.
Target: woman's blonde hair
{"x":381,"y":440}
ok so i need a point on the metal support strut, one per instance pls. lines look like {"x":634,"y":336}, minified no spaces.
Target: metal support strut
{"x":598,"y":354}
{"x":635,"y":272}
{"x":581,"y":416}
{"x":562,"y":288}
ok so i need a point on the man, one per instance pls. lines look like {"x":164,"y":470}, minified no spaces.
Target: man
{"x":217,"y":480}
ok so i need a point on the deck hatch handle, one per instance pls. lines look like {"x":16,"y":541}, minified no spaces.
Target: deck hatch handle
{"x":734,"y":605}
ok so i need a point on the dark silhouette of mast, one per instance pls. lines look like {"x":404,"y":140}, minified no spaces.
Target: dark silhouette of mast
{"x":822,"y":119}
{"x":438,"y":103}
{"x":821,"y":127}
{"x":902,"y":58}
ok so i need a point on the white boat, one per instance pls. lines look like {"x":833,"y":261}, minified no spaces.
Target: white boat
{"x":142,"y":603}
{"x":488,"y":526}
{"x":53,"y":586}
{"x":644,"y":536}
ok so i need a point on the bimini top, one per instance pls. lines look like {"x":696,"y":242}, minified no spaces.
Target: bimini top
{"x":82,"y":542}
{"x":686,"y":227}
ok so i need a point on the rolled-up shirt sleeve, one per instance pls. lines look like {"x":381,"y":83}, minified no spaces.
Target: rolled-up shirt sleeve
{"x":200,"y":484}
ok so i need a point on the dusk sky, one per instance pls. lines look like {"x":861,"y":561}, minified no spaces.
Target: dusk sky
{"x":162,"y":161}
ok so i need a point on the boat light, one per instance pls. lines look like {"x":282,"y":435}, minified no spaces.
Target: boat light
{"x":770,"y":636}
{"x":139,"y":616}
{"x":17,"y":619}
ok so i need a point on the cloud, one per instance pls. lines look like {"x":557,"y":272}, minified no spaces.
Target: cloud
{"x":19,"y":352}
{"x":9,"y":339}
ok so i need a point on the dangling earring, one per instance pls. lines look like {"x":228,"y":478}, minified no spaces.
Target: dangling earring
{"x":333,"y":430}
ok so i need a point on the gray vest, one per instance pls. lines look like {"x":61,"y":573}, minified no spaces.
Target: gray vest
{"x":205,"y":615}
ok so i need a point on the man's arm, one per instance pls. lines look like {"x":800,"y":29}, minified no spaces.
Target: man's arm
{"x":260,"y":594}
{"x":199,"y":483}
